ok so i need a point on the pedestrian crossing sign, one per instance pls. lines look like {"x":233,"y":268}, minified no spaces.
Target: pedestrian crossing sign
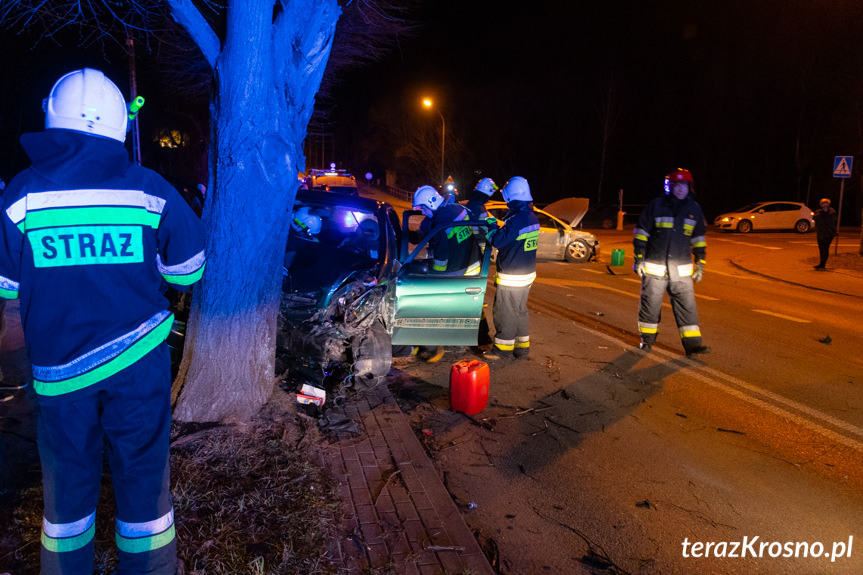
{"x":842,"y":166}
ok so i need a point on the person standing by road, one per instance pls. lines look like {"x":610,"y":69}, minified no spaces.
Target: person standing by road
{"x":826,"y":222}
{"x":88,"y":240}
{"x":669,"y":233}
{"x":516,"y":244}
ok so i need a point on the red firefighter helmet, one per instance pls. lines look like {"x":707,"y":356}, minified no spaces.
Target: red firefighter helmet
{"x":679,"y":175}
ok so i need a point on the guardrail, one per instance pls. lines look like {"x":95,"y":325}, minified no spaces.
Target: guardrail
{"x":399,"y":193}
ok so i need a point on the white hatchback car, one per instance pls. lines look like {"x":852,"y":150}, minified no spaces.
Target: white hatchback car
{"x":767,"y":216}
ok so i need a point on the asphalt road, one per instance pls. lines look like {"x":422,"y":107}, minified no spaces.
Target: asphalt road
{"x":593,"y":457}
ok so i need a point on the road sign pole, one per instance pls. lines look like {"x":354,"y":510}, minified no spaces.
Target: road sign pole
{"x":839,"y":215}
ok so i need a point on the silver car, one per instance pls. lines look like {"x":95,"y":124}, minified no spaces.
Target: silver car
{"x":559,"y":240}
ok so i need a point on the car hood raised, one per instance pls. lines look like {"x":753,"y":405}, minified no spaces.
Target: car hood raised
{"x":570,"y":210}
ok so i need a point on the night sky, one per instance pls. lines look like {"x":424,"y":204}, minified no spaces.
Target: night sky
{"x":755,"y":97}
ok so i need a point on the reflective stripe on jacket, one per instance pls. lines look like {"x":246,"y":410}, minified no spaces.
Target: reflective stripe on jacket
{"x":516,"y":243}
{"x":88,"y":241}
{"x":669,"y":233}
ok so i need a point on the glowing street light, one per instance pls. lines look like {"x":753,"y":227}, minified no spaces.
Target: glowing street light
{"x":428,"y":104}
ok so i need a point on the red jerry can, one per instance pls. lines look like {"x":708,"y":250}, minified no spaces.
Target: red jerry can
{"x":468,"y":386}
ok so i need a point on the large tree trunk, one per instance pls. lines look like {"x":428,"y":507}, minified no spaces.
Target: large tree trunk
{"x":267,"y":75}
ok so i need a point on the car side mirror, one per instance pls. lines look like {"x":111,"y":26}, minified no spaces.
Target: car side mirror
{"x":761,"y":211}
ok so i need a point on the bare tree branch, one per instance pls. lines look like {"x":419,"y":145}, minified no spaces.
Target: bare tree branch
{"x":189,"y":17}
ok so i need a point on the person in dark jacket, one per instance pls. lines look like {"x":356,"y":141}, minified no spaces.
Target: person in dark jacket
{"x":456,"y":251}
{"x":88,"y":242}
{"x":669,"y":233}
{"x":482,"y":193}
{"x":516,"y":244}
{"x":826,"y":222}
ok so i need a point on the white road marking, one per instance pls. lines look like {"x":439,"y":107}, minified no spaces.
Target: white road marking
{"x":738,"y":275}
{"x":782,"y":316}
{"x":715,"y":239}
{"x":572,"y":284}
{"x":748,"y":391}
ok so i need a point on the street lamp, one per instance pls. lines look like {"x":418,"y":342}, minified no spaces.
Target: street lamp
{"x":428,"y":104}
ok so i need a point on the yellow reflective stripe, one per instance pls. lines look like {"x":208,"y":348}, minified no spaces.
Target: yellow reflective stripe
{"x":648,"y":327}
{"x":473,"y":269}
{"x":522,"y":344}
{"x":514,"y":280}
{"x":654,"y":269}
{"x":641,"y":234}
{"x":66,"y":544}
{"x":504,"y":346}
{"x":690,"y":331}
{"x":145,"y":544}
{"x":685,"y":270}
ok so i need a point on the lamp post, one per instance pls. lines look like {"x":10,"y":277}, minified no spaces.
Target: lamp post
{"x":428,"y":104}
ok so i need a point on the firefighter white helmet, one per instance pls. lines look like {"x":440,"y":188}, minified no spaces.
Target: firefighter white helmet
{"x":516,"y":188}
{"x":486,"y":186}
{"x":427,"y":197}
{"x":86,"y":101}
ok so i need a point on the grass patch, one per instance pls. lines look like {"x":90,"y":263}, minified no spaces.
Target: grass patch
{"x":248,"y":499}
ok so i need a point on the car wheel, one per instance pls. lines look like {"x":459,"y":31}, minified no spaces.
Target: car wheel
{"x":577,"y":252}
{"x":802,"y":226}
{"x":744,"y":227}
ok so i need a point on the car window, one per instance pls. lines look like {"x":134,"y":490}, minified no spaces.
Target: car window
{"x":787,"y":207}
{"x":345,"y":228}
{"x":545,"y":221}
{"x":449,"y":251}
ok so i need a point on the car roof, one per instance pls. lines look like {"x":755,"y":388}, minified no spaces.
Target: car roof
{"x":328,"y":198}
{"x":753,"y":205}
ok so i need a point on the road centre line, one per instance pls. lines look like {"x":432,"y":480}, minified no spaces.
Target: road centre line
{"x":575,"y":284}
{"x":738,"y":275}
{"x":781,"y":316}
{"x":715,"y":239}
{"x":698,"y":371}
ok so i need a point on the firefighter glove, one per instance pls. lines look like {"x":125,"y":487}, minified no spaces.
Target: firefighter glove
{"x":698,"y":273}
{"x":638,"y":266}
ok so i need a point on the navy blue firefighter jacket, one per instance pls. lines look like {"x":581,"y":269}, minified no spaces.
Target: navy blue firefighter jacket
{"x":87,"y":239}
{"x":516,"y":244}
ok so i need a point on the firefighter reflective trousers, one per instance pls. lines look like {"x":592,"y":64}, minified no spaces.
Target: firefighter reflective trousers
{"x":511,"y":320}
{"x":682,"y":295}
{"x":128,"y":415}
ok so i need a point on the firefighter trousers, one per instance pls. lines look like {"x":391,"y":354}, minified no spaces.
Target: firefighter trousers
{"x":128,"y":415}
{"x":681,"y":292}
{"x":511,"y":320}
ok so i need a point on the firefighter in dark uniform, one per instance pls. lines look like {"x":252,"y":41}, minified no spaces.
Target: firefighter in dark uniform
{"x":516,"y":244}
{"x":670,"y":232}
{"x":88,"y":240}
{"x":456,"y":251}
{"x":482,"y":193}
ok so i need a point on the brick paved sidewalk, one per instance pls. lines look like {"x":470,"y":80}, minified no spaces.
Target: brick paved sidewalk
{"x":400,"y":516}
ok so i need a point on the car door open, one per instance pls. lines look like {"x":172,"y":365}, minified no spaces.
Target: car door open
{"x":438,"y":307}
